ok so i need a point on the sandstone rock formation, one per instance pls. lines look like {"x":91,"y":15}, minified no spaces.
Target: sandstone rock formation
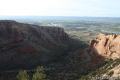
{"x":106,"y":45}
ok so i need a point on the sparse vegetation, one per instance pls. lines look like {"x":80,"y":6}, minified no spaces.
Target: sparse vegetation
{"x":39,"y":74}
{"x":109,"y":64}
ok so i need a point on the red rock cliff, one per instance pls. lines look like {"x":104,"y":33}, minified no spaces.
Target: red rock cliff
{"x":106,"y":45}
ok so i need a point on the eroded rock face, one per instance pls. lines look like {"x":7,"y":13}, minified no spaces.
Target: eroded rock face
{"x":27,"y":45}
{"x":106,"y":45}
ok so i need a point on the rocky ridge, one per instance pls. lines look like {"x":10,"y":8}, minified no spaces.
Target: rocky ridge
{"x":27,"y":45}
{"x":106,"y":45}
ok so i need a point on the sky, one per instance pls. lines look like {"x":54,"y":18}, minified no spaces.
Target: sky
{"x":89,"y":8}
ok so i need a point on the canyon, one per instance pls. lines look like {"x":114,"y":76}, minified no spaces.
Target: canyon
{"x":25,"y":45}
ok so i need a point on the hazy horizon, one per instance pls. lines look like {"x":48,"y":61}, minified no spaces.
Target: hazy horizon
{"x":82,"y":8}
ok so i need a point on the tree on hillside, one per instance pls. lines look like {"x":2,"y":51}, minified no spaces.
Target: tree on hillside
{"x":39,"y":74}
{"x":23,"y":75}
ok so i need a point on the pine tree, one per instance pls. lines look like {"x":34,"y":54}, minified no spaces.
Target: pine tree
{"x":23,"y":75}
{"x":39,"y":74}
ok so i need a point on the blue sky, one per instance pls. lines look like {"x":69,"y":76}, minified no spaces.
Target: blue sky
{"x":91,"y":8}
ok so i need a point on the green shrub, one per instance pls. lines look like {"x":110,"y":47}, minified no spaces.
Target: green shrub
{"x":22,"y":75}
{"x":39,"y":74}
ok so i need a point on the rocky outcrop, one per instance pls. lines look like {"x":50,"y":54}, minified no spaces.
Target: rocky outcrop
{"x":27,"y":45}
{"x":106,"y":45}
